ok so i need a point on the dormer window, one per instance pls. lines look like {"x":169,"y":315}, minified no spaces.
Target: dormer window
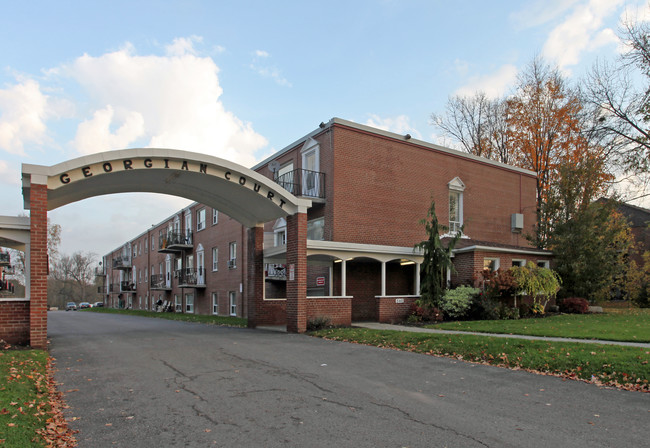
{"x":456,"y":189}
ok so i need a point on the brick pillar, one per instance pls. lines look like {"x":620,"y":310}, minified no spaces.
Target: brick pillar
{"x":38,"y":266}
{"x":255,"y":288}
{"x":297,"y":263}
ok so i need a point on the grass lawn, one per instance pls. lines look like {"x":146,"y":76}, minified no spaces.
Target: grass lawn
{"x":615,"y":325}
{"x":619,"y":366}
{"x":24,"y":403}
{"x":206,"y":319}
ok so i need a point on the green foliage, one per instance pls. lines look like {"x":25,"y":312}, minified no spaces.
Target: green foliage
{"x":456,"y":302}
{"x":539,"y":283}
{"x":637,"y":282}
{"x":591,"y":252}
{"x":436,"y":259}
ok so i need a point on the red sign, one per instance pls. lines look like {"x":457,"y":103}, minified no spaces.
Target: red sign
{"x":320,"y":281}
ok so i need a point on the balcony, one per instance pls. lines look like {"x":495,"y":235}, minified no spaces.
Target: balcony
{"x":174,"y":242}
{"x":190,"y":278}
{"x":127,"y":287}
{"x":159,"y":282}
{"x":303,"y":183}
{"x":122,"y":263}
{"x":5,"y":259}
{"x":276,"y":272}
{"x":99,"y":272}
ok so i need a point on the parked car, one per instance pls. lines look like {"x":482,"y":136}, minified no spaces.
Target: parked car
{"x":98,"y":305}
{"x":71,"y":306}
{"x":83,"y":305}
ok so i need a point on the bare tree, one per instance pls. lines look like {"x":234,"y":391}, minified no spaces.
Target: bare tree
{"x":72,"y":278}
{"x":53,"y":242}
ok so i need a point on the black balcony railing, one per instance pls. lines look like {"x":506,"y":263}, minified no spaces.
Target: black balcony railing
{"x":303,"y":183}
{"x":159,"y":281}
{"x":5,"y":259}
{"x":121,"y":263}
{"x":174,"y":241}
{"x":127,"y":286}
{"x":190,"y":277}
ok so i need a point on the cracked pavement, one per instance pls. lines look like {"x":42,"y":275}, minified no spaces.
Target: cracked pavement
{"x":132,"y":381}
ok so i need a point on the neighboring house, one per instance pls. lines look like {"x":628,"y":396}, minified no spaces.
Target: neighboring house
{"x":639,"y":220}
{"x":369,"y":189}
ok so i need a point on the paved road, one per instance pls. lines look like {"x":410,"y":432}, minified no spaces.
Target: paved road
{"x":138,"y":382}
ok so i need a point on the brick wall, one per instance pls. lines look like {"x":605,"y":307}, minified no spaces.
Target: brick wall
{"x":14,"y":322}
{"x":389,"y":311}
{"x":337,"y":310}
{"x":38,"y":266}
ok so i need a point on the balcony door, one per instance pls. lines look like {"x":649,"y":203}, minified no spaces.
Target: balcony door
{"x":310,"y":169}
{"x":168,"y":271}
{"x":200,"y":266}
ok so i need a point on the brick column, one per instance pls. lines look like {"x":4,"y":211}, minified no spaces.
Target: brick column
{"x":255,"y":290}
{"x":297,"y":263}
{"x":38,"y":266}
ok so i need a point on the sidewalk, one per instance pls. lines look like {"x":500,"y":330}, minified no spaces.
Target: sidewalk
{"x":379,"y":326}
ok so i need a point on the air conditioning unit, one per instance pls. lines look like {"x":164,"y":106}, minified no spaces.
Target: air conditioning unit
{"x":517,"y":222}
{"x":232,"y":263}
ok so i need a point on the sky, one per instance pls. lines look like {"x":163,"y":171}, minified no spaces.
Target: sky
{"x":242,"y":79}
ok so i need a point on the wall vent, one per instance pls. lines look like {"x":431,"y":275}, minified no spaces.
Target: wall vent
{"x":517,"y":222}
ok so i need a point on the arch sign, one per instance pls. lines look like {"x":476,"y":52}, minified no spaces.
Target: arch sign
{"x":243,"y":194}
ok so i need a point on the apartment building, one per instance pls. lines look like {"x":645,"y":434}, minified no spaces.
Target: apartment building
{"x":369,"y":189}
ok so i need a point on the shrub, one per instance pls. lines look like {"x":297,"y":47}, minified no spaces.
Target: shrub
{"x":456,"y":302}
{"x":423,"y":313}
{"x":507,"y":312}
{"x":483,"y":307}
{"x":318,"y":323}
{"x":575,"y":305}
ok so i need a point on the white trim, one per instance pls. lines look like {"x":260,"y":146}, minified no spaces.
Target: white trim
{"x":502,"y":250}
{"x":18,"y":299}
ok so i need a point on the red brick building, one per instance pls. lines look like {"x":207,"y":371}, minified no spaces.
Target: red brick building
{"x":369,"y":189}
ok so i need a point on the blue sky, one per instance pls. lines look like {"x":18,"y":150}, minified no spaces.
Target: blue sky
{"x":242,"y":79}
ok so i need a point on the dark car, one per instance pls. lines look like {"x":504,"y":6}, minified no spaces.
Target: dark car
{"x":83,"y":305}
{"x":98,"y":305}
{"x":71,"y":306}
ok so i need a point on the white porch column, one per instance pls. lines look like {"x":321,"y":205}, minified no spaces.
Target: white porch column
{"x":383,"y":278}
{"x":417,"y":278}
{"x":343,"y":277}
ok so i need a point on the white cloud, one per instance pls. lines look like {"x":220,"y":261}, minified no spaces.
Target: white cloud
{"x":267,"y":71}
{"x":399,"y":125}
{"x":580,"y":32}
{"x":493,"y":85}
{"x":23,"y":112}
{"x":538,"y":12}
{"x":170,"y":101}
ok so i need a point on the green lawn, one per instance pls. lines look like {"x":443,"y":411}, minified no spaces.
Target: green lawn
{"x":619,"y":366}
{"x":23,"y":397}
{"x":622,"y":325}
{"x":206,"y":319}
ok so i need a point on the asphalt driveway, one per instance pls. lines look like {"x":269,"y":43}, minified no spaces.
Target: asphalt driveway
{"x":140,"y":382}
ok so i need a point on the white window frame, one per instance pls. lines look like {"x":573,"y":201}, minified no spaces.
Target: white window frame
{"x":497,"y":263}
{"x":456,"y":188}
{"x":311,"y":147}
{"x":215,"y":303}
{"x":189,"y":303}
{"x":521,"y":261}
{"x":215,"y":259}
{"x":215,"y":216}
{"x":232,"y":302}
{"x":544,"y":264}
{"x":200,"y":219}
{"x":232,"y":253}
{"x":178,"y":303}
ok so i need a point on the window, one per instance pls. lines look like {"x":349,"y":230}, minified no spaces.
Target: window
{"x":281,"y":238}
{"x":456,"y":189}
{"x":146,"y":245}
{"x":140,"y":277}
{"x":200,"y":219}
{"x":215,"y":303}
{"x":178,"y":303}
{"x":153,"y":243}
{"x":491,"y":264}
{"x":140,"y":248}
{"x":285,"y":178}
{"x":215,"y":259}
{"x":189,"y":303}
{"x":215,"y":216}
{"x":233,"y":303}
{"x":232,"y":261}
{"x":316,"y":229}
{"x":310,"y":167}
{"x":520,"y":263}
{"x":544,"y":264}
{"x":188,"y":223}
{"x":145,"y":276}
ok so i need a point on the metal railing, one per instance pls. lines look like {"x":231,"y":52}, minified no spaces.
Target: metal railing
{"x":121,"y":262}
{"x":158,"y":281}
{"x":190,"y":276}
{"x":5,"y":258}
{"x":170,"y":240}
{"x":127,"y":286}
{"x":303,"y":183}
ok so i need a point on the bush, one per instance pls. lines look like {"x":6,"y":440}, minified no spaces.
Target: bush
{"x":575,"y":305}
{"x":318,"y":323}
{"x":483,"y":307}
{"x":457,"y":302}
{"x":507,"y":312}
{"x":423,"y":313}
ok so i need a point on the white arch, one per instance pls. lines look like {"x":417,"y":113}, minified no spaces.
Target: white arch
{"x":241,"y":193}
